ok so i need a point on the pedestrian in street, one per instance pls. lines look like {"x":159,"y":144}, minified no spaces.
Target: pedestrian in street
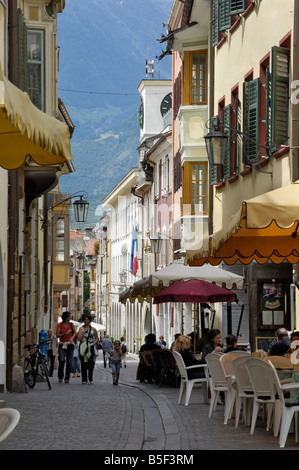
{"x":213,"y":343}
{"x":115,"y":357}
{"x":65,"y":335}
{"x":88,"y":337}
{"x":107,"y":346}
{"x":76,"y":359}
{"x":52,"y":349}
{"x":161,"y":342}
{"x":124,"y":350}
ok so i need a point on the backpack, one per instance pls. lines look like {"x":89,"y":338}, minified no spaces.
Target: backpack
{"x":124,"y":348}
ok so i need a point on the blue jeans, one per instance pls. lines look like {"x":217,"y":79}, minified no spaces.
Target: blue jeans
{"x":115,"y":367}
{"x":65,"y":356}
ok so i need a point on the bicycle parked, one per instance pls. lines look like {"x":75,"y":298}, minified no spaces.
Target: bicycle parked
{"x":35,"y":365}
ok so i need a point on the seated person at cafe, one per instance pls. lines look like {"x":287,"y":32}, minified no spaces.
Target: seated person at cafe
{"x":231,"y":343}
{"x":182,"y":346}
{"x":146,"y":370}
{"x":283,"y":343}
{"x":213,"y":343}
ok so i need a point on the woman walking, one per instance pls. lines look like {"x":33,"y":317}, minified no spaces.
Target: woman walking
{"x":64,"y":333}
{"x":88,"y":337}
{"x":115,"y":355}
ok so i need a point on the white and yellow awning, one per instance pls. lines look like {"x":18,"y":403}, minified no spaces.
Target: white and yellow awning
{"x":27,"y":131}
{"x":266,"y":228}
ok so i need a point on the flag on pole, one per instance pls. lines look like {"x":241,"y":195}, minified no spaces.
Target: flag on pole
{"x":134,"y":251}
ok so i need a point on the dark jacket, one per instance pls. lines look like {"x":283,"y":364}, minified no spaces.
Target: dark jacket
{"x":190,"y":360}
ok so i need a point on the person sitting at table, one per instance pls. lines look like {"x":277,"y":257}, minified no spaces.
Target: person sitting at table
{"x":231,"y":343}
{"x":182,"y":346}
{"x":283,"y":343}
{"x":213,"y":343}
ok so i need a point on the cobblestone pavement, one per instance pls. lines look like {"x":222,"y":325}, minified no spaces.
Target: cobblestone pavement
{"x":127,"y":417}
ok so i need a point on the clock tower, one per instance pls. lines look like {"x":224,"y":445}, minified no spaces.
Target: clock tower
{"x":155,"y":105}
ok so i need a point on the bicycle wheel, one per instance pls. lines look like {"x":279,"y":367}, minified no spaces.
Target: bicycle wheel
{"x":43,"y":370}
{"x":29,"y":373}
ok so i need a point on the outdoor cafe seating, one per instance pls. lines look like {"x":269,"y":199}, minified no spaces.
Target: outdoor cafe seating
{"x":186,"y":383}
{"x":267,"y":384}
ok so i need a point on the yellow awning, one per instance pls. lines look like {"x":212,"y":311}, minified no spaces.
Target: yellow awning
{"x":27,"y":131}
{"x":265,"y":228}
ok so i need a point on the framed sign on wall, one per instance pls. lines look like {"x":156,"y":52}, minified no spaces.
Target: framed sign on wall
{"x":273,"y":303}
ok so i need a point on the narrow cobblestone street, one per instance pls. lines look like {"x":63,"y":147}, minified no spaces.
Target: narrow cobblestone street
{"x":128,"y":417}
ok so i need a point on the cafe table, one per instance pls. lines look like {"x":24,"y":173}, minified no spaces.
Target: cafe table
{"x":285,"y":375}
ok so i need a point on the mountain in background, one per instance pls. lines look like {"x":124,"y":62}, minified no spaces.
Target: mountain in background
{"x":103,"y":48}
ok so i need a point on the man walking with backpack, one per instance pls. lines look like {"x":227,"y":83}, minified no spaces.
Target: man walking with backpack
{"x":124,"y":349}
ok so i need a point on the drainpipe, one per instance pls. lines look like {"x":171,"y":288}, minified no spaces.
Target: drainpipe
{"x":13,"y":185}
{"x":211,"y":111}
{"x":295,"y":131}
{"x":294,"y":105}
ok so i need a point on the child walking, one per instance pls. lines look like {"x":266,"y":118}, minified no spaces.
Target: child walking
{"x":115,"y":357}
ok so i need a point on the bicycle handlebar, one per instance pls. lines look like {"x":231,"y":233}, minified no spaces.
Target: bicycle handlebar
{"x":36,"y":345}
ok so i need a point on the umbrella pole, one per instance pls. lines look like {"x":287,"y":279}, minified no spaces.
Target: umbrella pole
{"x":229,"y":318}
{"x":240,"y":320}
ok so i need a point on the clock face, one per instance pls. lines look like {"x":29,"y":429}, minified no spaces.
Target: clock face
{"x":141,"y":113}
{"x":166,"y":104}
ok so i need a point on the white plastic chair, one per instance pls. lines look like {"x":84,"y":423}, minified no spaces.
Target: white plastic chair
{"x":287,"y":410}
{"x":240,"y":352}
{"x":261,"y":378}
{"x":244,"y":395}
{"x":189,"y":383}
{"x":227,"y":363}
{"x":220,"y":383}
{"x":9,"y":418}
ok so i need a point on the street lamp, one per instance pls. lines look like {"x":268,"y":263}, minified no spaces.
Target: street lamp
{"x":81,"y":261}
{"x":156,"y":243}
{"x":216,"y":143}
{"x":81,"y":209}
{"x":123,"y":276}
{"x":80,"y":206}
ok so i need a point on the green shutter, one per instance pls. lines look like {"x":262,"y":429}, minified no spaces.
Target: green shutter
{"x":235,"y":162}
{"x":215,"y":23}
{"x":225,"y":19}
{"x":245,"y":121}
{"x":280,"y":95}
{"x":251,"y":121}
{"x":236,"y":6}
{"x":226,"y":129}
{"x":215,"y":172}
{"x":22,"y":51}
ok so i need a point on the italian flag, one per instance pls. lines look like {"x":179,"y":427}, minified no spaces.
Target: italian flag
{"x":134,"y":250}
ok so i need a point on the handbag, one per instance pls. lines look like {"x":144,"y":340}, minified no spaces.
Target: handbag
{"x":85,"y":348}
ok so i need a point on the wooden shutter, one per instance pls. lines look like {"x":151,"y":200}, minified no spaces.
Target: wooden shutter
{"x":226,"y":129}
{"x":280,"y":95}
{"x":251,"y":120}
{"x":215,"y":171}
{"x":22,"y":52}
{"x":234,"y":165}
{"x":225,"y":19}
{"x":215,"y":23}
{"x":236,"y":6}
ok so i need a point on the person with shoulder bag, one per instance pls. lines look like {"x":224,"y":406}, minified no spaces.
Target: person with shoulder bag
{"x":65,"y":335}
{"x":88,"y":337}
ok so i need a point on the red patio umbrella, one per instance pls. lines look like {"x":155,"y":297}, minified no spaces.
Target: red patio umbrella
{"x":195,"y":291}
